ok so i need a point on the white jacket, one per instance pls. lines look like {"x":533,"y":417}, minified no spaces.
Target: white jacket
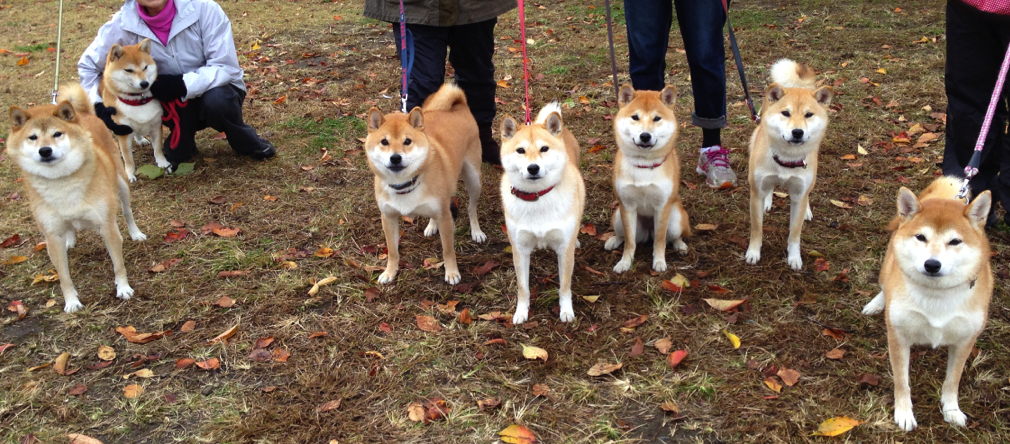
{"x":200,"y":47}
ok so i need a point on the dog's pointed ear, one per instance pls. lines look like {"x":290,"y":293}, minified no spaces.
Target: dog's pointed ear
{"x":668,"y":96}
{"x":908,"y":204}
{"x":823,"y":95}
{"x":65,"y":111}
{"x":978,"y":211}
{"x":145,"y":46}
{"x":554,"y":124}
{"x":508,"y":128}
{"x":115,"y":52}
{"x":416,"y":118}
{"x":774,"y":93}
{"x":19,"y":118}
{"x":626,"y":95}
{"x":375,"y":119}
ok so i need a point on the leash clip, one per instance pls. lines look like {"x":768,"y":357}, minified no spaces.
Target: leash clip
{"x":55,"y":93}
{"x":963,"y":194}
{"x":403,"y":103}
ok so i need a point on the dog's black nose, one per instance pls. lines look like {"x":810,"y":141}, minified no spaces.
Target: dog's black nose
{"x":533,"y":169}
{"x":645,"y":137}
{"x":395,"y":159}
{"x":145,"y":84}
{"x":932,"y":266}
{"x":45,"y":152}
{"x":797,"y":133}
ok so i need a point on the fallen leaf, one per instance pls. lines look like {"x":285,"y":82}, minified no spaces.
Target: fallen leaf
{"x":773,"y":384}
{"x":601,"y":369}
{"x":225,"y":302}
{"x":676,"y":357}
{"x":822,"y":265}
{"x":60,"y":365}
{"x":591,"y":299}
{"x":840,"y":204}
{"x":176,"y":223}
{"x":789,"y":376}
{"x":232,"y":273}
{"x":4,"y":348}
{"x":860,"y":150}
{"x":145,"y":373}
{"x":428,"y":324}
{"x":223,"y":337}
{"x":176,"y":235}
{"x":132,"y":391}
{"x":415,"y":411}
{"x":14,"y":260}
{"x":533,"y":353}
{"x":78,"y":390}
{"x":184,"y":362}
{"x":869,"y":379}
{"x":724,"y":305}
{"x":209,"y":364}
{"x":670,"y":407}
{"x":131,"y":335}
{"x":19,"y":308}
{"x":882,"y":71}
{"x":23,"y":61}
{"x":332,"y":405}
{"x":77,"y":438}
{"x":385,"y":327}
{"x":834,"y":333}
{"x":100,"y":365}
{"x":106,"y":353}
{"x":281,"y":355}
{"x":864,"y":200}
{"x":270,"y":198}
{"x":218,"y":200}
{"x":318,"y":334}
{"x":435,"y":409}
{"x":323,"y":252}
{"x":464,"y":316}
{"x":706,"y":227}
{"x":635,"y":322}
{"x":517,"y":434}
{"x":39,"y":367}
{"x":226,"y":232}
{"x":40,"y":246}
{"x":719,"y":290}
{"x":637,"y":349}
{"x":496,"y":341}
{"x":663,"y":345}
{"x":490,"y":316}
{"x":322,"y":282}
{"x":486,"y":268}
{"x":485,"y":404}
{"x":836,"y":354}
{"x":281,"y":100}
{"x":670,"y":286}
{"x":263,"y":342}
{"x":849,"y":157}
{"x":540,"y":390}
{"x":589,"y":229}
{"x":188,"y":326}
{"x":10,"y":241}
{"x":732,"y":338}
{"x":836,"y":426}
{"x":261,"y":355}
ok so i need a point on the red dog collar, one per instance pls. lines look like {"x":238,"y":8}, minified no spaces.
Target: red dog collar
{"x":530,"y":197}
{"x":802,"y":163}
{"x":136,"y":102}
{"x":655,"y":165}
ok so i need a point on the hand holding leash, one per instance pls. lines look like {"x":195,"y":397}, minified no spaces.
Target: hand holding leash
{"x":168,"y":87}
{"x":105,"y":113}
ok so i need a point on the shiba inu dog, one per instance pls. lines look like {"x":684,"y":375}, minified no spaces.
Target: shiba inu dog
{"x":126,"y":85}
{"x":936,"y":283}
{"x":647,"y":176}
{"x":783,"y":151}
{"x":417,"y":159}
{"x":543,"y":196}
{"x":74,"y":180}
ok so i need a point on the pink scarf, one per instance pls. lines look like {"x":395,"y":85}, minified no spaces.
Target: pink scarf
{"x":160,"y":24}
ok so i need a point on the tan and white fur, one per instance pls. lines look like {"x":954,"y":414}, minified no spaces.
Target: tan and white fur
{"x":417,"y":159}
{"x":542,"y":158}
{"x":794,"y":120}
{"x":74,"y":180}
{"x":129,"y":73}
{"x":936,"y":282}
{"x":647,"y":177}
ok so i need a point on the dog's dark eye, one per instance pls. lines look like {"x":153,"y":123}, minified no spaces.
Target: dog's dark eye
{"x":33,"y":137}
{"x":129,"y":70}
{"x":920,"y":238}
{"x":57,"y":134}
{"x":406,"y":142}
{"x":785,"y":113}
{"x":954,"y":242}
{"x":384,"y":142}
{"x":634,"y":117}
{"x":656,"y":119}
{"x":145,"y":67}
{"x":521,"y":151}
{"x":544,"y":149}
{"x":809,"y":115}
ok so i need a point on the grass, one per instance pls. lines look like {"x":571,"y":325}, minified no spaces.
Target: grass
{"x":721,"y":397}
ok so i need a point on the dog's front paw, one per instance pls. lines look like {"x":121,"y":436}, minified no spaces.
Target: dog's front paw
{"x":141,"y":141}
{"x":138,"y":235}
{"x":753,"y":255}
{"x":452,"y":277}
{"x":659,"y":264}
{"x":567,"y":315}
{"x":71,"y":304}
{"x":768,"y":203}
{"x":124,"y":291}
{"x":387,"y":276}
{"x":478,"y":235}
{"x":431,"y":229}
{"x":905,"y":420}
{"x":795,"y":262}
{"x":164,"y":163}
{"x":622,"y":266}
{"x":876,"y":305}
{"x":955,"y":417}
{"x":71,"y":240}
{"x":521,"y":315}
{"x":133,"y":177}
{"x":613,"y":242}
{"x":810,"y":214}
{"x":679,"y":246}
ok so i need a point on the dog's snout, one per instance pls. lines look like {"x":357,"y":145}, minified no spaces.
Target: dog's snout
{"x":932,"y":266}
{"x":395,"y":159}
{"x":533,"y":169}
{"x":45,"y":152}
{"x":797,"y":133}
{"x":145,"y":84}
{"x":645,"y":137}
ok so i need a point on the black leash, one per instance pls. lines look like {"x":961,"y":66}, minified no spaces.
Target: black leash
{"x":739,"y":65}
{"x":613,"y":61}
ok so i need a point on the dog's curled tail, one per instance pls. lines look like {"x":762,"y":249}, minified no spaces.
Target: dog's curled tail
{"x":447,"y":97}
{"x":945,"y":187}
{"x":790,"y":74}
{"x":74,"y":93}
{"x":546,"y":111}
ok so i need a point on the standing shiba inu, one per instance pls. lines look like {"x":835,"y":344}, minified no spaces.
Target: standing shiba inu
{"x":936,"y":283}
{"x":783,"y":151}
{"x":647,"y":176}
{"x":417,"y":159}
{"x":74,"y":180}
{"x":543,"y":197}
{"x":126,"y":85}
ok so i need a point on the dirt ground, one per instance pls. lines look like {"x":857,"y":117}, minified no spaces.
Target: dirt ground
{"x":313,"y":69}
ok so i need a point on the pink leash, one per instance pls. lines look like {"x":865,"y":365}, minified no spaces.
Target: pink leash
{"x":972,"y":169}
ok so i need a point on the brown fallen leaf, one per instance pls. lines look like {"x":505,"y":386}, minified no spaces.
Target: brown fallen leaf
{"x":589,"y":229}
{"x":39,"y":367}
{"x":835,"y":354}
{"x":834,"y":333}
{"x":841,"y":204}
{"x":188,"y":326}
{"x":822,"y":265}
{"x":773,"y":385}
{"x":789,"y":376}
{"x":637,"y":349}
{"x":324,"y":252}
{"x":486,"y":404}
{"x":868,"y":379}
{"x":464,"y":316}
{"x":718,"y":289}
{"x":415,"y":411}
{"x":601,"y":369}
{"x":77,"y":438}
{"x":674,"y":359}
{"x":724,"y":305}
{"x":332,"y":405}
{"x":184,"y":362}
{"x":19,"y":308}
{"x":263,"y":342}
{"x":318,"y":334}
{"x":60,"y":365}
{"x":4,"y":348}
{"x":210,"y":364}
{"x":670,"y":407}
{"x":132,"y":391}
{"x":77,"y":390}
{"x":428,"y":324}
{"x":486,"y":268}
{"x":634,"y":322}
{"x":385,"y":327}
{"x":664,"y":345}
{"x":261,"y":355}
{"x":130,"y":333}
{"x":225,"y":302}
{"x":317,"y":285}
{"x":227,"y":232}
{"x":706,"y":227}
{"x":232,"y":273}
{"x":223,"y":337}
{"x":281,"y":355}
{"x":540,"y":390}
{"x":533,"y":353}
{"x":836,"y":426}
{"x":10,"y":241}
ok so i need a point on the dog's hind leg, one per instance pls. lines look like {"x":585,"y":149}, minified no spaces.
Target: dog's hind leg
{"x":618,"y":238}
{"x":56,"y":244}
{"x":471,"y":179}
{"x":768,"y":202}
{"x":126,"y":149}
{"x":158,"y":142}
{"x":114,"y":243}
{"x":71,"y":239}
{"x":810,"y":214}
{"x":876,"y":305}
{"x":957,"y":354}
{"x":675,"y":230}
{"x":124,"y":199}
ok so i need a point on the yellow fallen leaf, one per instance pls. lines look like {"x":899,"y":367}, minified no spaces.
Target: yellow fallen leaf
{"x":14,"y":260}
{"x":862,"y":151}
{"x":732,"y":338}
{"x":77,"y":438}
{"x":836,"y":426}
{"x":324,"y":281}
{"x":601,"y":369}
{"x":774,"y":385}
{"x":531,"y":352}
{"x":591,"y":299}
{"x":255,"y":46}
{"x":223,"y":337}
{"x":840,"y":204}
{"x":882,"y":71}
{"x":106,"y":353}
{"x":144,"y":373}
{"x":706,"y":227}
{"x":724,"y":305}
{"x":681,"y":281}
{"x":132,"y":391}
{"x":780,"y":194}
{"x":23,"y":61}
{"x":517,"y":434}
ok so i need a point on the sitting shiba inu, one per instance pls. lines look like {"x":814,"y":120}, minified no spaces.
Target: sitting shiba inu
{"x":783,"y":151}
{"x":74,"y":180}
{"x":126,"y":85}
{"x":417,"y":159}
{"x":647,"y":176}
{"x":543,"y":196}
{"x":936,"y":283}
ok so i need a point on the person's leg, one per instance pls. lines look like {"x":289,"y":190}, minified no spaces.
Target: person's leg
{"x":471,"y":48}
{"x":428,"y":72}
{"x":701,"y":24}
{"x":648,"y":23}
{"x":183,"y":121}
{"x":222,"y":110}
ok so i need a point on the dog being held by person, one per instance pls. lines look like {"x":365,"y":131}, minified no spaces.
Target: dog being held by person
{"x":936,"y":282}
{"x":74,"y":180}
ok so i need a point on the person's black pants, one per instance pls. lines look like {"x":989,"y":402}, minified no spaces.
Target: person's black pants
{"x":976,"y":45}
{"x":219,"y":108}
{"x":469,"y":49}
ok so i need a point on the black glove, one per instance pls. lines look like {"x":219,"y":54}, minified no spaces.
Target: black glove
{"x":168,"y":87}
{"x":105,"y":113}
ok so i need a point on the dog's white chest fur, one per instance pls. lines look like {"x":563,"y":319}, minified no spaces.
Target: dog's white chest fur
{"x":414,"y":203}
{"x":143,"y":118}
{"x":66,"y":205}
{"x":935,"y":318}
{"x":644,"y":189}
{"x":548,"y":222}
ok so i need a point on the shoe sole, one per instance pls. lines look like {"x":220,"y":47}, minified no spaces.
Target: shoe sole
{"x":723,"y":186}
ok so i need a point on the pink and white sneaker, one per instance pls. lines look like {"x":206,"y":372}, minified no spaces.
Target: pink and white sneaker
{"x":713,"y":163}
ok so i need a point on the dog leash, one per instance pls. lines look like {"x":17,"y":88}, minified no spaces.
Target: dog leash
{"x":406,"y":58}
{"x":526,"y":70}
{"x":739,"y":65}
{"x":59,"y":37}
{"x":976,"y":157}
{"x":613,"y":61}
{"x":172,"y":115}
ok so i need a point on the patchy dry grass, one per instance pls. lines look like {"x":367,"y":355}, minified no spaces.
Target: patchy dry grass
{"x":331,"y":70}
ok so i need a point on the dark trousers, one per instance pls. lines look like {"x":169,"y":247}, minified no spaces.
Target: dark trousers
{"x":976,"y":45}
{"x":219,"y":108}
{"x":701,"y":23}
{"x":469,"y":49}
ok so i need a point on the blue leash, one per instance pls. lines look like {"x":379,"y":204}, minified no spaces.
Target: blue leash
{"x":406,"y":57}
